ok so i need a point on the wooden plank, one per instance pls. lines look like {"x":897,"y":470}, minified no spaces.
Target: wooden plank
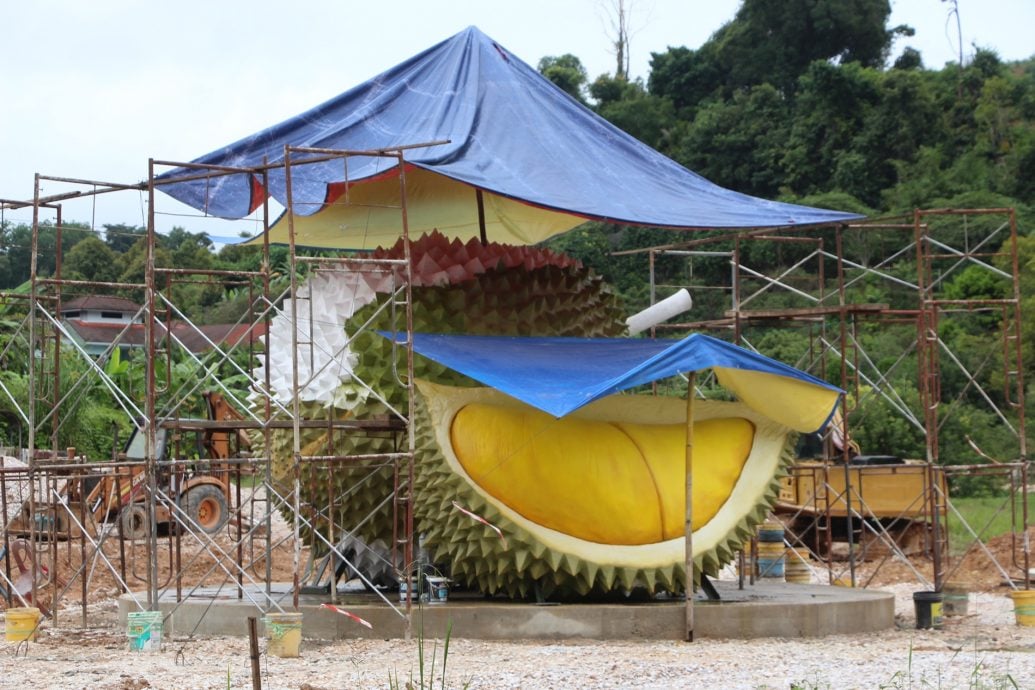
{"x":372,"y":424}
{"x":807,"y":311}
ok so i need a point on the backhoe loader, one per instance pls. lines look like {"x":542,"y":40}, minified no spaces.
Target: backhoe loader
{"x":201,"y":489}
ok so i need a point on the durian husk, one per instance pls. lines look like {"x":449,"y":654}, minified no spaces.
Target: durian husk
{"x":535,"y":559}
{"x":523,"y":294}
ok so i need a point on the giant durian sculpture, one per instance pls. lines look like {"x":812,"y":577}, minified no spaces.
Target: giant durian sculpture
{"x":593,"y":501}
{"x":589,"y":503}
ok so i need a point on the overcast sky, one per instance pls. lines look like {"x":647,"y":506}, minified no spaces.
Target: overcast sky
{"x":93,"y":89}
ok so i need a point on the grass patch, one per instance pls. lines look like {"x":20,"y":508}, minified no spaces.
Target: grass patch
{"x":425,"y":679}
{"x":250,"y":481}
{"x":988,"y":516}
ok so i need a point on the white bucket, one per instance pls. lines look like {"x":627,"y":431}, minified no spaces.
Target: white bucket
{"x":416,"y":595}
{"x":438,"y":590}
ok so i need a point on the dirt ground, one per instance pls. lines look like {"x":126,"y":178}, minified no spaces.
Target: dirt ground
{"x":983,"y":568}
{"x":986,"y":645}
{"x":980,"y":569}
{"x":103,"y":566}
{"x":983,"y":650}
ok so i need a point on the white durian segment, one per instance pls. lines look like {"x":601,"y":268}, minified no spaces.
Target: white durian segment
{"x":325,"y":359}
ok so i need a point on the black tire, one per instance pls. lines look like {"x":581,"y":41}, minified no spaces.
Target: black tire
{"x":134,"y":523}
{"x":206,"y":508}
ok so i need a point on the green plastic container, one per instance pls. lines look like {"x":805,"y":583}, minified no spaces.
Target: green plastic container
{"x":144,"y":630}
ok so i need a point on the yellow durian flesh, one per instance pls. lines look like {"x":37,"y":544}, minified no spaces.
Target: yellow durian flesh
{"x":574,"y":475}
{"x":550,"y":560}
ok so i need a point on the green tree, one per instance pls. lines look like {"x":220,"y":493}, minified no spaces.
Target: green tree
{"x":244,"y":257}
{"x":193,"y":293}
{"x":880,"y":429}
{"x":959,"y":89}
{"x":16,"y":247}
{"x":829,"y":111}
{"x":121,"y":237}
{"x":895,"y":126}
{"x":188,"y":250}
{"x":686,"y":77}
{"x":567,"y":73}
{"x":6,"y":272}
{"x":774,"y":43}
{"x":12,"y":426}
{"x":628,"y":105}
{"x":910,"y":59}
{"x":179,"y":237}
{"x":91,"y":259}
{"x":132,"y":262}
{"x":739,"y":143}
{"x":1026,"y":268}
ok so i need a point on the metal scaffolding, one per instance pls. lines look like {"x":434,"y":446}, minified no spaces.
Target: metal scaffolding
{"x":57,"y":544}
{"x":821,"y":288}
{"x":141,"y":529}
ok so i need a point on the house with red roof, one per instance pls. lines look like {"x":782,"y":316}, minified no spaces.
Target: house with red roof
{"x":98,"y":321}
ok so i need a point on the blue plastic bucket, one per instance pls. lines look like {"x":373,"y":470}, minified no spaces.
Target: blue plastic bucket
{"x":770,"y":567}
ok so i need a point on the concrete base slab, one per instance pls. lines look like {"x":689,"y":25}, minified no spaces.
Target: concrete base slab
{"x":762,"y":610}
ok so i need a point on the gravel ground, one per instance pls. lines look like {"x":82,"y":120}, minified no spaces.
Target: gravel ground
{"x":983,"y":650}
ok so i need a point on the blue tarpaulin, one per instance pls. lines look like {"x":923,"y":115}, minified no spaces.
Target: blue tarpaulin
{"x":511,"y":133}
{"x":560,"y":375}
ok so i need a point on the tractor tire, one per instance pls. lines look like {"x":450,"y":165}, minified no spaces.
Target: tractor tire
{"x":206,"y":508}
{"x":134,"y":523}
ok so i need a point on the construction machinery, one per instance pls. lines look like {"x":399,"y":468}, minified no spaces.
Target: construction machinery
{"x":195,"y":493}
{"x":873,"y":501}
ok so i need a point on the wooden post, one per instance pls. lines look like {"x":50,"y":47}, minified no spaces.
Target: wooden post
{"x":253,"y":651}
{"x":482,"y":234}
{"x":689,"y":534}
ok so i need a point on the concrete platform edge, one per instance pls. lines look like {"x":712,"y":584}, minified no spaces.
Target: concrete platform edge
{"x":772,"y":610}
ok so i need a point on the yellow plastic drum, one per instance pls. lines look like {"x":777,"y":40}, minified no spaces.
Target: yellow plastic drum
{"x":796,"y":566}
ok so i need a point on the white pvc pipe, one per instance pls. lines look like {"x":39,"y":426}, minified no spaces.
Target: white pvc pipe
{"x":662,"y":311}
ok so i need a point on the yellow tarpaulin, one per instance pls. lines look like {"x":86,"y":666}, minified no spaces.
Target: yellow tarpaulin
{"x":370,"y":215}
{"x":799,"y":404}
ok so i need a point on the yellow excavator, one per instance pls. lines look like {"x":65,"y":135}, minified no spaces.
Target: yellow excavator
{"x":202,"y":489}
{"x":891,"y":500}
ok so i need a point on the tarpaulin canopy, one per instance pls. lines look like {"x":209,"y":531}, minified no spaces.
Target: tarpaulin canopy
{"x":544,"y":161}
{"x":560,"y":375}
